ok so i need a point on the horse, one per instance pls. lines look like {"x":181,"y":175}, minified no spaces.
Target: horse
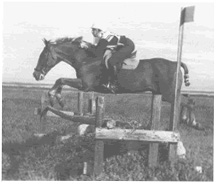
{"x":157,"y":75}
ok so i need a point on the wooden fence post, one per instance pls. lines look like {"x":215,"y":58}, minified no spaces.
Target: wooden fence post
{"x":80,"y":102}
{"x":99,"y":144}
{"x":92,"y":104}
{"x":155,"y":123}
{"x":186,"y":15}
{"x":174,"y":119}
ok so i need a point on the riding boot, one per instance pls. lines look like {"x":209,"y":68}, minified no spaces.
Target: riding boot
{"x":107,"y":84}
{"x":113,"y":81}
{"x":106,"y":78}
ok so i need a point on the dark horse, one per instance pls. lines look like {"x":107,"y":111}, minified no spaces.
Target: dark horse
{"x":157,"y":75}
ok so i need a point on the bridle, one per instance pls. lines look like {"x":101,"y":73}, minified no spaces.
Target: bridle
{"x":40,"y":71}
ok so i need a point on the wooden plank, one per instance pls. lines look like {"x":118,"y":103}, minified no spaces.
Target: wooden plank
{"x":137,"y":135}
{"x":85,"y":119}
{"x":75,"y":118}
{"x":51,"y":114}
{"x":99,"y":144}
{"x":155,"y":124}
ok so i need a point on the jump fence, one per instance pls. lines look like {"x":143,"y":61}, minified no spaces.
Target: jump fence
{"x":104,"y":131}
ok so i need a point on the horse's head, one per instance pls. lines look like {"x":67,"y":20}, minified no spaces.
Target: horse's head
{"x":46,"y":61}
{"x":64,"y":49}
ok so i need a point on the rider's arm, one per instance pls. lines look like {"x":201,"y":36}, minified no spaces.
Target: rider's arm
{"x":99,"y":49}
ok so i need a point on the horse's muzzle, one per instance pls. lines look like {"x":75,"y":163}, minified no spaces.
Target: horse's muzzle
{"x":38,"y":76}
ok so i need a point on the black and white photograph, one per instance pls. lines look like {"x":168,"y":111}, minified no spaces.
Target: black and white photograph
{"x":107,"y":91}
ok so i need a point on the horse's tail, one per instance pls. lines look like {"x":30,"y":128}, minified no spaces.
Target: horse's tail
{"x":186,"y":75}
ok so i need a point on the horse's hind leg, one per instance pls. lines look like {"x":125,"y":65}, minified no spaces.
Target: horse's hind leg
{"x":51,"y":95}
{"x":55,"y":91}
{"x":59,"y":96}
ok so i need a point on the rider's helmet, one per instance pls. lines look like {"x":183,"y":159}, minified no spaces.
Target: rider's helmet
{"x":99,"y":26}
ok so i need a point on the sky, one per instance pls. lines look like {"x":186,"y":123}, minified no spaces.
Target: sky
{"x":154,"y":27}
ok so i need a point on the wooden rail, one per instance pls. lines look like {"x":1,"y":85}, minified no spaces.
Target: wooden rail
{"x":137,"y":135}
{"x":153,"y":137}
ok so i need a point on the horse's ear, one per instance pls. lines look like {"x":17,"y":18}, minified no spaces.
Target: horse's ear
{"x":46,"y":42}
{"x":78,"y":39}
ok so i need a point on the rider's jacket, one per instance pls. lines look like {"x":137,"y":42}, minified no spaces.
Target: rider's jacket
{"x":107,"y":40}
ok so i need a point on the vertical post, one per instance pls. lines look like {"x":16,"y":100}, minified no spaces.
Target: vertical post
{"x":155,"y":124}
{"x":99,"y":144}
{"x":92,"y":104}
{"x":175,"y":106}
{"x":173,"y":127}
{"x":186,"y":15}
{"x":80,"y":102}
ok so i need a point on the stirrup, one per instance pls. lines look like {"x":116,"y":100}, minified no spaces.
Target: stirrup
{"x":106,"y":85}
{"x":113,"y":88}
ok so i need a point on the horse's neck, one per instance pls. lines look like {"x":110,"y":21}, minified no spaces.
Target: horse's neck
{"x":74,"y":60}
{"x":81,"y":60}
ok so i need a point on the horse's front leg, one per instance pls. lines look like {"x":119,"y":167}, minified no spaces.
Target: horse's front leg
{"x":55,"y":91}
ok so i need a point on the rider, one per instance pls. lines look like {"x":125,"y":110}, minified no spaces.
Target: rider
{"x":114,"y":49}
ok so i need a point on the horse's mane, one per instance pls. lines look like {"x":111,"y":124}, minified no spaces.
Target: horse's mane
{"x":67,"y":39}
{"x":61,"y":40}
{"x":71,"y":39}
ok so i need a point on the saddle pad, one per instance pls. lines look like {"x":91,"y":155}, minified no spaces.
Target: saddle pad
{"x":130,"y":63}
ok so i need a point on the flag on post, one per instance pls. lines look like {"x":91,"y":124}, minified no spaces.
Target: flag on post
{"x":187,"y":15}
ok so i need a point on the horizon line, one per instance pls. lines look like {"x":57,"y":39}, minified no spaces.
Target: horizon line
{"x":47,"y":85}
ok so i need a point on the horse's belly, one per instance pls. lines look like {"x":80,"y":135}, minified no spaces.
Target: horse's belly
{"x":134,"y":81}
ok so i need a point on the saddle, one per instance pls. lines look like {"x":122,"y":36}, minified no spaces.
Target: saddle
{"x":131,"y":63}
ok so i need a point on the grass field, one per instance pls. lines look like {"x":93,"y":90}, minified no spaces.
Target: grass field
{"x":26,"y":157}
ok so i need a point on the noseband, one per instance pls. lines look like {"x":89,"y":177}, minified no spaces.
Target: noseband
{"x":40,"y":71}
